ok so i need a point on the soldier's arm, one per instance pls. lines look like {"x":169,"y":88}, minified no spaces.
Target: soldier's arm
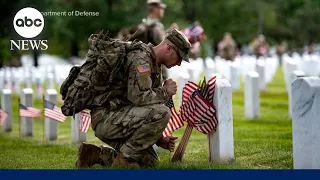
{"x":140,"y":90}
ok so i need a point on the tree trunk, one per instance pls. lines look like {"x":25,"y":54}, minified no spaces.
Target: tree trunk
{"x":110,"y":5}
{"x":260,"y":17}
{"x":74,"y":49}
{"x":35,"y":57}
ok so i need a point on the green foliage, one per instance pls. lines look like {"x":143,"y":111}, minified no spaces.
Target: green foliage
{"x":295,"y":21}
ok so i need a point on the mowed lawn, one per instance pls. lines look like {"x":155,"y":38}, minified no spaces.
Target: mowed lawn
{"x":263,"y":143}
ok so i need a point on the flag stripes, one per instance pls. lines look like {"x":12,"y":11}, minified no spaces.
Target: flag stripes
{"x":53,"y":112}
{"x":212,"y":86}
{"x":3,"y":117}
{"x":188,"y":89}
{"x":174,"y":122}
{"x":28,"y":111}
{"x":198,"y":110}
{"x":85,"y":121}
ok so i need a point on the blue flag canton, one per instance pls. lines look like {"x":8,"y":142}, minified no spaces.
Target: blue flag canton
{"x":48,"y":105}
{"x":23,"y":107}
{"x":170,"y":103}
{"x":195,"y":93}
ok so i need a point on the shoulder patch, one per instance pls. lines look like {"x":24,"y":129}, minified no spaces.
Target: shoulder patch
{"x":143,"y":68}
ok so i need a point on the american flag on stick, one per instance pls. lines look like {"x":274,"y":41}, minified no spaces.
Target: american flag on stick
{"x":197,"y":107}
{"x":31,"y":112}
{"x":195,"y":33}
{"x":85,"y":121}
{"x":174,"y":122}
{"x":53,"y":112}
{"x":3,"y":117}
{"x":203,"y":117}
{"x":212,"y":86}
{"x":188,"y":89}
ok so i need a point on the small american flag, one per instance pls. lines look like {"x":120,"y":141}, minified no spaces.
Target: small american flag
{"x":3,"y":117}
{"x":175,"y":122}
{"x":186,"y":110}
{"x":197,"y":110}
{"x":25,"y":111}
{"x":52,"y":111}
{"x":204,"y":115}
{"x":188,"y":89}
{"x":195,"y":33}
{"x":212,"y":86}
{"x":85,"y":120}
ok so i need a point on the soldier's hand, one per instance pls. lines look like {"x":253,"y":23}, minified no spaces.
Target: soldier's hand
{"x":168,"y":142}
{"x":171,"y":87}
{"x":174,"y":26}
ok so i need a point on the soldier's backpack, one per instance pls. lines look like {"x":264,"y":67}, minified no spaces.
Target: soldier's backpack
{"x":88,"y":86}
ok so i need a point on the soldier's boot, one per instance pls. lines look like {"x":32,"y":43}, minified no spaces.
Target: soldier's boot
{"x":89,"y":155}
{"x":120,"y":160}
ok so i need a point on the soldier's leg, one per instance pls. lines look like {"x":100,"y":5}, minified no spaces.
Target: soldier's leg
{"x":89,"y":154}
{"x":138,"y":147}
{"x":141,"y":127}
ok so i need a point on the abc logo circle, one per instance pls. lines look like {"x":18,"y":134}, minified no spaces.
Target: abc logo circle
{"x":28,"y":22}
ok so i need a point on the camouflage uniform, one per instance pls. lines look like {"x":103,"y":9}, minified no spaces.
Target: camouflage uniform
{"x":127,"y":128}
{"x":157,"y":35}
{"x":228,"y":52}
{"x":157,"y":31}
{"x":228,"y":48}
{"x":136,"y":116}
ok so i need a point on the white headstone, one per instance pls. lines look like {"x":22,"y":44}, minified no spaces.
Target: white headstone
{"x":39,"y":88}
{"x":306,"y":123}
{"x":218,"y":76}
{"x":235,"y":77}
{"x":27,"y":82}
{"x":16,"y":83}
{"x":252,"y":95}
{"x":77,"y":135}
{"x":6,"y":105}
{"x":296,"y":74}
{"x":27,"y":122}
{"x":183,"y":79}
{"x":210,"y":65}
{"x":220,"y":143}
{"x":290,"y":67}
{"x":50,"y":124}
{"x":260,"y":66}
{"x":1,"y":79}
{"x":50,"y":81}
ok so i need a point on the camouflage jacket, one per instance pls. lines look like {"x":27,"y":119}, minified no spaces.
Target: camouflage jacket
{"x":140,"y":82}
{"x":157,"y":31}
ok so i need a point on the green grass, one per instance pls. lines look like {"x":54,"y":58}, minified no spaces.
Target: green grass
{"x":262,"y":143}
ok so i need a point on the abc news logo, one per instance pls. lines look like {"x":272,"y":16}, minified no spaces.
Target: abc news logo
{"x":28,"y":23}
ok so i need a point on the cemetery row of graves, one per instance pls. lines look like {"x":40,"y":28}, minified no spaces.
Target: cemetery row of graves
{"x":265,"y":120}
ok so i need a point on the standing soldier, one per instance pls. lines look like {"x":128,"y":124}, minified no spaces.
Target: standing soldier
{"x":260,"y":46}
{"x":151,"y":30}
{"x":227,"y":48}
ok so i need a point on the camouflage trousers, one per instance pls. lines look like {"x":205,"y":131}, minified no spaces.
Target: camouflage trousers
{"x":133,"y":130}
